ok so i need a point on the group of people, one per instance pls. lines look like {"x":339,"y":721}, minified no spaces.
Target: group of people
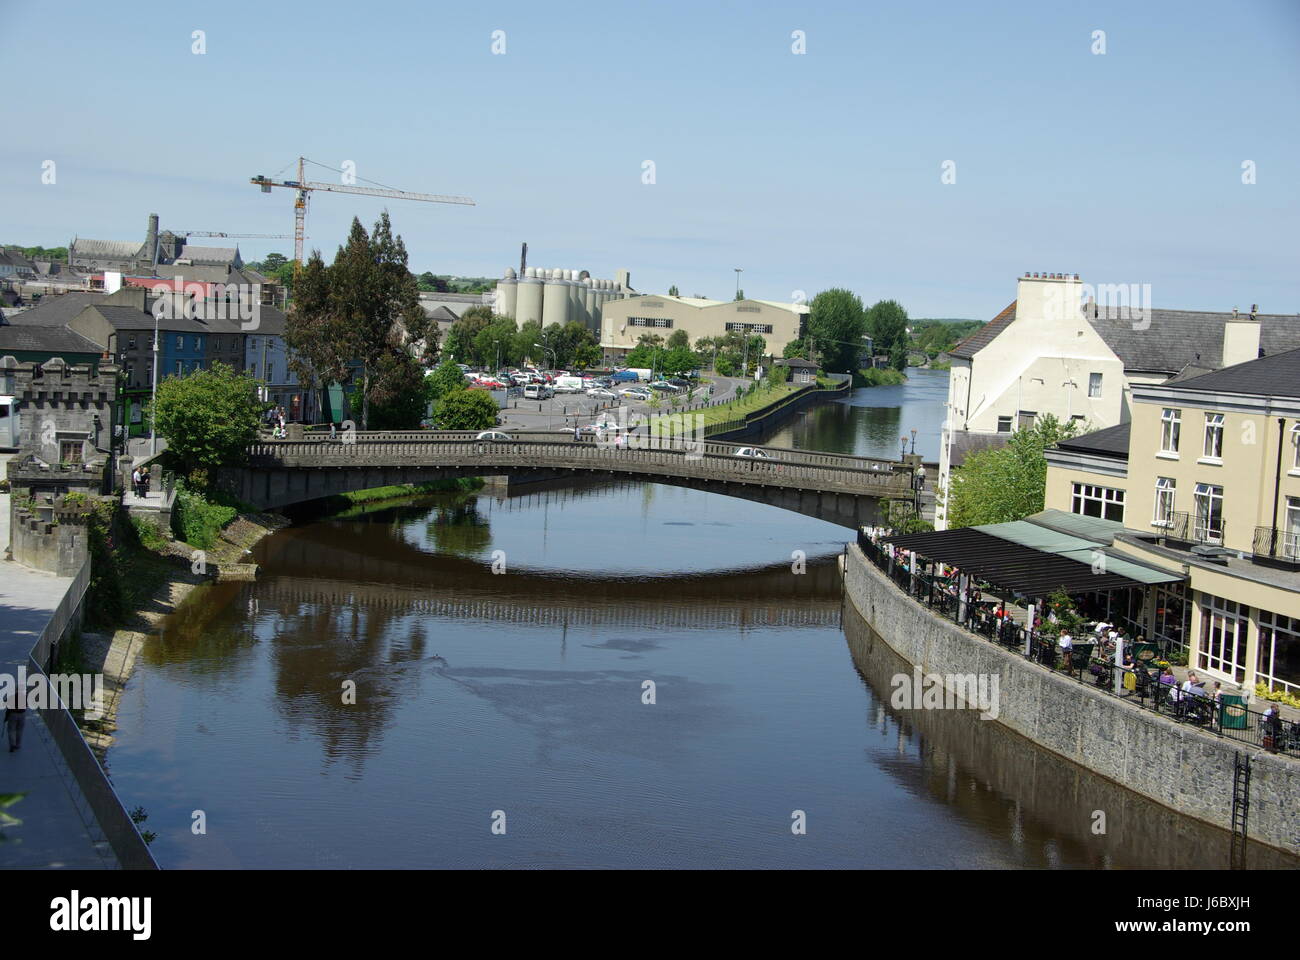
{"x":275,"y":420}
{"x":140,"y":482}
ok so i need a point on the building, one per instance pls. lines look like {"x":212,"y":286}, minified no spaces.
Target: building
{"x":37,"y":343}
{"x":801,"y":371}
{"x":266,"y":358}
{"x":1055,"y":351}
{"x":624,"y":322}
{"x":546,"y":296}
{"x":1205,"y":479}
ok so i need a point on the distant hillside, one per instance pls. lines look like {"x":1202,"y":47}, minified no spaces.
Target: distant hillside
{"x":935,"y":336}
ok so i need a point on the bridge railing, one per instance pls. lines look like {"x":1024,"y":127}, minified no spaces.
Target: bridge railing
{"x":682,"y":458}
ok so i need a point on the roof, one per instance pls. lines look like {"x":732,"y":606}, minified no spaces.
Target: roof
{"x":1271,"y":376}
{"x":1166,"y":341}
{"x":797,"y":362}
{"x":196,"y":272}
{"x":981,"y":338}
{"x":1037,"y":556}
{"x":105,"y":249}
{"x":55,"y":310}
{"x":16,"y":335}
{"x":208,"y":254}
{"x":964,"y":443}
{"x":1110,"y":442}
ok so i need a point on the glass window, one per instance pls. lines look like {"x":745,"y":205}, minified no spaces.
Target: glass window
{"x":1295,"y":442}
{"x":1093,"y":501}
{"x":1214,"y":436}
{"x":1171,"y":423}
{"x":1223,"y":637}
{"x":198,"y":344}
{"x":70,"y":451}
{"x":131,"y":342}
{"x":1094,"y":385}
{"x":180,"y":368}
{"x":1165,"y":490}
{"x":1004,"y":424}
{"x":180,"y":343}
{"x":1209,"y":513}
{"x":1291,"y":531}
{"x":1278,"y":662}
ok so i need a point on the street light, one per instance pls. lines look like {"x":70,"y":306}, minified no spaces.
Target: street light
{"x":902,"y":447}
{"x":914,"y":439}
{"x":153,"y":400}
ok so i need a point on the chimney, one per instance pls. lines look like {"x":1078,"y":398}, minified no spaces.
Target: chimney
{"x":1240,"y":339}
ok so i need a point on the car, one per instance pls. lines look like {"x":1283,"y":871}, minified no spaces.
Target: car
{"x":754,"y":453}
{"x":538,"y":391}
{"x":623,"y":375}
{"x":632,"y":393}
{"x":493,"y":435}
{"x":679,"y":382}
{"x":665,"y":386}
{"x":584,"y":431}
{"x":600,"y":393}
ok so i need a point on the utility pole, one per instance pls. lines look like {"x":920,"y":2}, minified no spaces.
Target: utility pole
{"x":153,"y":404}
{"x":739,"y":271}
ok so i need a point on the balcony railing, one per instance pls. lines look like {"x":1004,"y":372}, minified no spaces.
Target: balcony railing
{"x":1275,"y":543}
{"x":1193,"y":528}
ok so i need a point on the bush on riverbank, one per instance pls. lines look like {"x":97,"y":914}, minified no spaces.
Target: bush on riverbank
{"x":878,"y":377}
{"x":197,"y":520}
{"x":374,"y":494}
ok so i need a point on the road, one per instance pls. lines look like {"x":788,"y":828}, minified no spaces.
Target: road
{"x":569,"y":409}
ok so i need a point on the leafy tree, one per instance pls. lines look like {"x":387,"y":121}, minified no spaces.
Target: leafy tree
{"x":901,"y":517}
{"x":672,"y":291}
{"x":208,"y":417}
{"x":445,"y":378}
{"x":679,"y":338}
{"x":587,"y":355}
{"x":273,"y":262}
{"x":642,"y":355}
{"x":650,"y":340}
{"x":678,"y":360}
{"x":357,"y":313}
{"x":462,"y":338}
{"x":740,"y":294}
{"x":836,"y":324}
{"x":497,"y":340}
{"x":529,"y":333}
{"x":795,"y":349}
{"x":1006,"y":483}
{"x":401,"y":394}
{"x":887,"y":324}
{"x":466,"y":410}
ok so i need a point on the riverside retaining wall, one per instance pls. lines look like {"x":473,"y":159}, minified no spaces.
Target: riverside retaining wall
{"x":1177,"y":766}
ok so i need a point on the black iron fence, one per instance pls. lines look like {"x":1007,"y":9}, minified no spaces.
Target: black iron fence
{"x":1139,"y":685}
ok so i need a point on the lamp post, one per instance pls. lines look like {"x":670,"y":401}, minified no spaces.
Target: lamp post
{"x":739,"y":271}
{"x":902,"y":447}
{"x":913,"y":431}
{"x":153,"y":397}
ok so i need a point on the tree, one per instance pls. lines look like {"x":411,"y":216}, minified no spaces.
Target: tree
{"x":836,"y":324}
{"x":466,"y":410}
{"x":358,"y":312}
{"x":462,"y":338}
{"x":273,"y":263}
{"x":1006,"y":483}
{"x":795,"y":349}
{"x":740,"y":294}
{"x":209,"y":417}
{"x":672,"y":291}
{"x":400,"y":396}
{"x":678,"y":360}
{"x":679,"y":338}
{"x":887,"y":325}
{"x":445,"y":378}
{"x":587,"y":355}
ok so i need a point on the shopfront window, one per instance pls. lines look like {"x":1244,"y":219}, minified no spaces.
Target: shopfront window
{"x":1224,"y":626}
{"x":1278,"y":664}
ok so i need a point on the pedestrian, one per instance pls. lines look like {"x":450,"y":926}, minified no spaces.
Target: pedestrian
{"x":333,"y":430}
{"x":15,"y":717}
{"x":135,"y":481}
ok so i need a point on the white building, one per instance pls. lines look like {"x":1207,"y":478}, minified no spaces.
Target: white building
{"x":1057,"y":350}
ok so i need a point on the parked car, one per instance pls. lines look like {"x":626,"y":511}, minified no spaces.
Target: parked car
{"x":600,"y":393}
{"x":753,"y":453}
{"x":634,"y":394}
{"x":538,"y":391}
{"x":493,"y":435}
{"x":620,"y":376}
{"x":665,"y":386}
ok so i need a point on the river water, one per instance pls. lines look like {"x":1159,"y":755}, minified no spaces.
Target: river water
{"x":608,"y":675}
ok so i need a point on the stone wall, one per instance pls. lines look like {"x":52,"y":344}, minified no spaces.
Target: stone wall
{"x":36,"y":541}
{"x":1175,"y":765}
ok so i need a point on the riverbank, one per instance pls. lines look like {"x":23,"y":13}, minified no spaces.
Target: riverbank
{"x":114,"y":654}
{"x":1183,"y":769}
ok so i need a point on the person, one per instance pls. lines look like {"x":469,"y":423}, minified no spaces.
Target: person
{"x":333,"y":430}
{"x":1169,"y":684}
{"x":15,"y":717}
{"x":1067,"y":647}
{"x":135,"y":481}
{"x":1271,"y":724}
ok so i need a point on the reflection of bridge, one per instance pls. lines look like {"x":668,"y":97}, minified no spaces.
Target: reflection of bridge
{"x":834,"y":487}
{"x":386,"y":574}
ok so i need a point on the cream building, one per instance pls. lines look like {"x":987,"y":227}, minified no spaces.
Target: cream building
{"x":1078,"y":352}
{"x":624,"y":322}
{"x":1206,"y":481}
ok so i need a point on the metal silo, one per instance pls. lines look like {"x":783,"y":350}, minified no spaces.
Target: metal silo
{"x":555,"y":299}
{"x":529,"y":298}
{"x":507,"y":294}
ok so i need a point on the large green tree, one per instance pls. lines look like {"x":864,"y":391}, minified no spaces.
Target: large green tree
{"x":836,"y":324}
{"x":466,"y":410}
{"x":354,"y":316}
{"x":445,"y":378}
{"x":1006,"y":483}
{"x":208,"y":418}
{"x":887,"y":326}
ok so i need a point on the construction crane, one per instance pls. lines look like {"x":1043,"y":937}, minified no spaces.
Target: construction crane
{"x":304,"y":187}
{"x":242,"y":236}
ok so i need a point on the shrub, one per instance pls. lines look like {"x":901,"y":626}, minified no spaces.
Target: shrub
{"x":198,"y":521}
{"x":149,"y":533}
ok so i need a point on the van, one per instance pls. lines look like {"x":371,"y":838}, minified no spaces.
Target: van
{"x":538,"y":391}
{"x":568,"y":385}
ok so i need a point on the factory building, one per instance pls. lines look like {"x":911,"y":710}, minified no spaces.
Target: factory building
{"x":623,"y":323}
{"x":549,"y":296}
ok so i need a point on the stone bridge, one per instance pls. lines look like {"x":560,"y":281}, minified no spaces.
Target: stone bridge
{"x":840,"y":489}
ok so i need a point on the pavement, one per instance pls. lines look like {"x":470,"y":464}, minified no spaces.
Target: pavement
{"x":58,"y":830}
{"x":572,"y":409}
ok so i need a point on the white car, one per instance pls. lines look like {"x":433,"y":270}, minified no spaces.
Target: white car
{"x":752,"y":452}
{"x":493,"y":435}
{"x":633,"y":394}
{"x":600,"y":393}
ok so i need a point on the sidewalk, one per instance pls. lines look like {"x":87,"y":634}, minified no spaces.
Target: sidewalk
{"x":58,"y":831}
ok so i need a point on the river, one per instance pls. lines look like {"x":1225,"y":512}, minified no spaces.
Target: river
{"x":608,"y":675}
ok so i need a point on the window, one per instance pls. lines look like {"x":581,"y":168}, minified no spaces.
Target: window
{"x":1214,"y":436}
{"x":749,"y":328}
{"x":1223,"y":637}
{"x":1209,"y":513}
{"x":1278,"y":663}
{"x":1173,"y":614}
{"x":180,"y":343}
{"x":1291,"y":532}
{"x":1171,"y":423}
{"x":1295,"y":442}
{"x":1094,"y":501}
{"x":1027,"y":418}
{"x":70,"y":451}
{"x":180,"y":368}
{"x":131,"y":342}
{"x":1094,"y":385}
{"x":270,"y":373}
{"x":1165,"y":490}
{"x":198,"y":344}
{"x":650,"y":321}
{"x":1004,"y":424}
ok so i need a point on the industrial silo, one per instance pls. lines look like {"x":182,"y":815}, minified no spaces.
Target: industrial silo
{"x":589,"y":304}
{"x":507,"y":295}
{"x":555,"y":299}
{"x":529,"y":298}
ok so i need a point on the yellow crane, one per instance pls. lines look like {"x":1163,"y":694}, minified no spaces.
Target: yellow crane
{"x":305,"y":187}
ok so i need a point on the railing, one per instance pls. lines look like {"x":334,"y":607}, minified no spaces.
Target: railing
{"x":1141,"y":688}
{"x":675,"y":456}
{"x":1277,"y":544}
{"x":128,"y":846}
{"x":1192,"y":528}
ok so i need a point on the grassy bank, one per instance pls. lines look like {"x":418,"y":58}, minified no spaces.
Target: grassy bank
{"x":764,"y":394}
{"x":403,"y":490}
{"x":878,"y":377}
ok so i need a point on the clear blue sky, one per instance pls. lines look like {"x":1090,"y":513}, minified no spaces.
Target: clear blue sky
{"x":808,"y":171}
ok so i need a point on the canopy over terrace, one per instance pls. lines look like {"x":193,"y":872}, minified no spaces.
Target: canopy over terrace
{"x":1032,"y":559}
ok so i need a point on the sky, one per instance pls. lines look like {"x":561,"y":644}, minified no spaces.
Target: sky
{"x":808,"y":170}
